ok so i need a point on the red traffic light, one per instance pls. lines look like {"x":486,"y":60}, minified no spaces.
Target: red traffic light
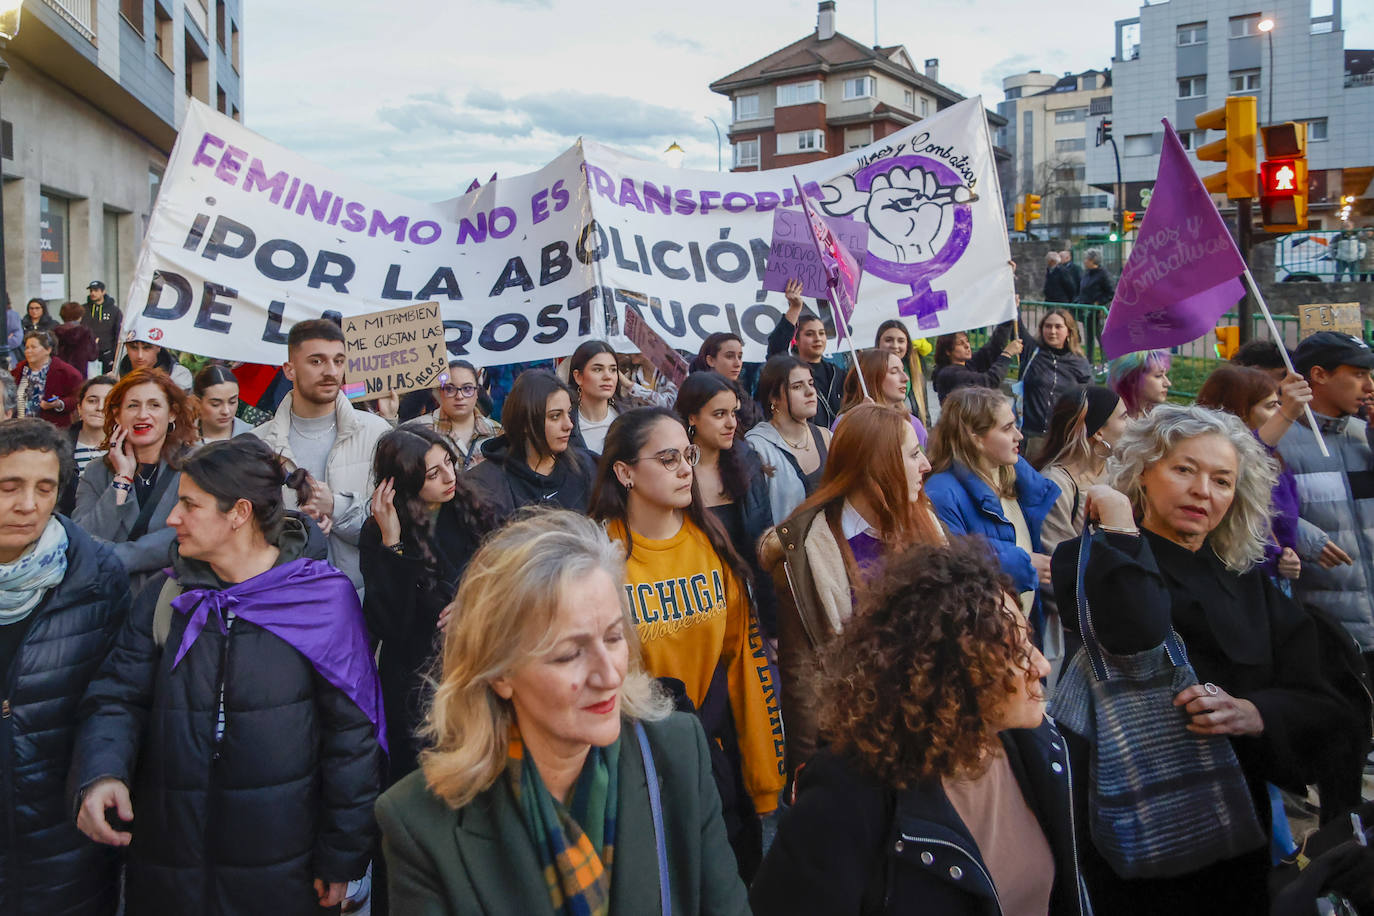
{"x":1279,"y":178}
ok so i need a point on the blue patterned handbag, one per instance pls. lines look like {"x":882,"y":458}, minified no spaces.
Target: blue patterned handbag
{"x":1162,"y":801}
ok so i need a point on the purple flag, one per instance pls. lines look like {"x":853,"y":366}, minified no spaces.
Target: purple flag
{"x":844,"y":271}
{"x":1182,"y":273}
{"x":312,"y":607}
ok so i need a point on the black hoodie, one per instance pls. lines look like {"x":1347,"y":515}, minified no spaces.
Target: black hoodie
{"x":509,"y":484}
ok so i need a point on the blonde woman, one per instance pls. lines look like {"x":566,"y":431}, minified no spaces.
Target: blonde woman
{"x":534,"y":796}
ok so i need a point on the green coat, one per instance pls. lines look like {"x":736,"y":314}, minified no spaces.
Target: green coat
{"x":479,"y":858}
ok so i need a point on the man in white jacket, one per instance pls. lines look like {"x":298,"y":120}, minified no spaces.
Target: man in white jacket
{"x":317,"y":428}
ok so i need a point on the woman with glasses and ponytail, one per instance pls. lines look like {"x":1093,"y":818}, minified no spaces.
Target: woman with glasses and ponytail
{"x":458,"y":417}
{"x":689,"y":599}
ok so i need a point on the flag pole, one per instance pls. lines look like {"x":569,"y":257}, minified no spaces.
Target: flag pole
{"x":841,"y":323}
{"x":1283,"y":351}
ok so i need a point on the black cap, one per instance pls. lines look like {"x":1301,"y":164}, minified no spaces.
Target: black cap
{"x":1329,"y":349}
{"x":95,"y":284}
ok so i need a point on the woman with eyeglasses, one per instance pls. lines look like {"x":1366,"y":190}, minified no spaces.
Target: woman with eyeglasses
{"x":458,"y":418}
{"x":690,"y":605}
{"x":787,"y":440}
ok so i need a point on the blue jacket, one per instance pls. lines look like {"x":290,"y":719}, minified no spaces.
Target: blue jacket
{"x":967,"y":505}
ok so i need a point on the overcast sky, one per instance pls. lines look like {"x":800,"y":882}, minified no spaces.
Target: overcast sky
{"x":420,"y":97}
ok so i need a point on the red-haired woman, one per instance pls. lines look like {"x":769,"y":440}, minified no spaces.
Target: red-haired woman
{"x":125,"y":497}
{"x":869,"y":502}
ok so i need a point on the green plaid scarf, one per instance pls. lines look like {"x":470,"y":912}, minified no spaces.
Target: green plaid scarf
{"x":576,"y":843}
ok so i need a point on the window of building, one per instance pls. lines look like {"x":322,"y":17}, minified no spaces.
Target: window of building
{"x":132,"y":11}
{"x":858,"y":137}
{"x":1070,"y":173}
{"x":110,"y":239}
{"x":1316,"y":129}
{"x":154,"y":185}
{"x":54,"y":243}
{"x":1194,"y":33}
{"x":1013,"y":93}
{"x":801,"y":141}
{"x":197,"y":70}
{"x":1192,"y":87}
{"x":221,"y":100}
{"x":164,"y":35}
{"x":1243,"y":81}
{"x":746,"y":153}
{"x":862,"y":87}
{"x":1245,"y":26}
{"x":1070,"y":115}
{"x":1192,"y":139}
{"x":799,"y":93}
{"x":1138,"y":145}
{"x":220,"y":25}
{"x":925,"y":107}
{"x":908,"y":100}
{"x":1074,"y":145}
{"x":234,"y":59}
{"x":746,"y":107}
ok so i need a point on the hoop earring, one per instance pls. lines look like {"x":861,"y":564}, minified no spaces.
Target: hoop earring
{"x":691,"y":431}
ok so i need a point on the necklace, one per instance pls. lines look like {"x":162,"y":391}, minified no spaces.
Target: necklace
{"x":320,"y":435}
{"x":149,"y":478}
{"x":805,"y":445}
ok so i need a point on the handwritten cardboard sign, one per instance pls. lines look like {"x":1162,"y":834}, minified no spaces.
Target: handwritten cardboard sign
{"x":793,"y":253}
{"x":1341,"y":317}
{"x":396,"y":350}
{"x":655,"y":349}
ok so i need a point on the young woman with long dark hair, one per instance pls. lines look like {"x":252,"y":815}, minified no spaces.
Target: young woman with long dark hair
{"x":802,"y":333}
{"x":426,"y":523}
{"x":958,"y":366}
{"x":689,"y":598}
{"x":871,"y":502}
{"x":787,"y":440}
{"x":533,"y":462}
{"x":721,"y":352}
{"x":217,"y":402}
{"x":730,"y":477}
{"x":594,"y":371}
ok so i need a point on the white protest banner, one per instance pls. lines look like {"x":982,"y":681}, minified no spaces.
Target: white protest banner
{"x":394,"y":351}
{"x":248,"y":238}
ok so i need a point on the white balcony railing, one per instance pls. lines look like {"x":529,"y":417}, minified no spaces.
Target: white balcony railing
{"x":80,"y":13}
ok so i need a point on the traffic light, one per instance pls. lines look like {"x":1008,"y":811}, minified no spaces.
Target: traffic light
{"x":1128,"y":222}
{"x":1283,"y":178}
{"x":1032,"y":208}
{"x":1240,"y":121}
{"x":1228,"y":341}
{"x":1018,"y":217}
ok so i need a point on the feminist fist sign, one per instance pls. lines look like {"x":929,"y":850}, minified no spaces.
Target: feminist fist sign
{"x":903,"y":207}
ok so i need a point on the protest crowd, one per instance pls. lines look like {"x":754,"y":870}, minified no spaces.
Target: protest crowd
{"x":825,"y":635}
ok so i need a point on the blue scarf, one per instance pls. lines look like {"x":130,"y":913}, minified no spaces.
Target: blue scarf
{"x":24,"y":582}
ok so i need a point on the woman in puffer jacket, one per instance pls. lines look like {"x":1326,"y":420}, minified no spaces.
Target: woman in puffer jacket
{"x":231,"y":739}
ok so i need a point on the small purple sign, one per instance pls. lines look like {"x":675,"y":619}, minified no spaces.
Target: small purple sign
{"x":793,"y":254}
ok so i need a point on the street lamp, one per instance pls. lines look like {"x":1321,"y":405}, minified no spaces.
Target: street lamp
{"x":717,"y":127}
{"x":1267,"y":27}
{"x":9,"y":27}
{"x":673,"y":155}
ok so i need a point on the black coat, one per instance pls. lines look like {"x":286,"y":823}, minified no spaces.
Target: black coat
{"x":985,"y":369}
{"x":1061,"y":284}
{"x":1241,"y":634}
{"x":754,"y":515}
{"x":829,"y":377}
{"x":1096,"y":288}
{"x":852,"y":846}
{"x":47,"y":868}
{"x":507,"y":482}
{"x":242,"y":825}
{"x":403,"y":595}
{"x":1046,"y":375}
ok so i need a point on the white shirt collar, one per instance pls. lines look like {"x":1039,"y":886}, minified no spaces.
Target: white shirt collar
{"x":852,"y":523}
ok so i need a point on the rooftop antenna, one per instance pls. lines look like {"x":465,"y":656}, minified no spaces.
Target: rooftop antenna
{"x":875,"y":23}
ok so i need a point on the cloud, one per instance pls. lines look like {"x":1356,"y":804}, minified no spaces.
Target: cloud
{"x":485,"y":99}
{"x":525,"y":4}
{"x":674,"y":40}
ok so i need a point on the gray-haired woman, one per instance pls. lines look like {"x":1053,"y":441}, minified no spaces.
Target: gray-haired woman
{"x":1183,"y":520}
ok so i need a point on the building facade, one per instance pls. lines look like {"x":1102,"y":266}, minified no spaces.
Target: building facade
{"x":824,"y":94}
{"x":1044,"y":132}
{"x":89,"y":111}
{"x":1178,"y":59}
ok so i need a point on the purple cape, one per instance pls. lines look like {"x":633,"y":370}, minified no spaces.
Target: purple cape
{"x":314,"y":609}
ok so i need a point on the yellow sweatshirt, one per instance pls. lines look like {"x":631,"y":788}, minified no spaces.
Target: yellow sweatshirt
{"x":691,"y":615}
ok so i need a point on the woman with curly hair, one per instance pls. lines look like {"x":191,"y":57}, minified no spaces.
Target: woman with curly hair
{"x":1141,"y":380}
{"x":426,"y":524}
{"x":944,"y":789}
{"x":1182,"y":521}
{"x":870,"y":502}
{"x":125,"y":497}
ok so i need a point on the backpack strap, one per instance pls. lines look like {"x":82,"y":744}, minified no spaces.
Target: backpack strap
{"x":162,"y":613}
